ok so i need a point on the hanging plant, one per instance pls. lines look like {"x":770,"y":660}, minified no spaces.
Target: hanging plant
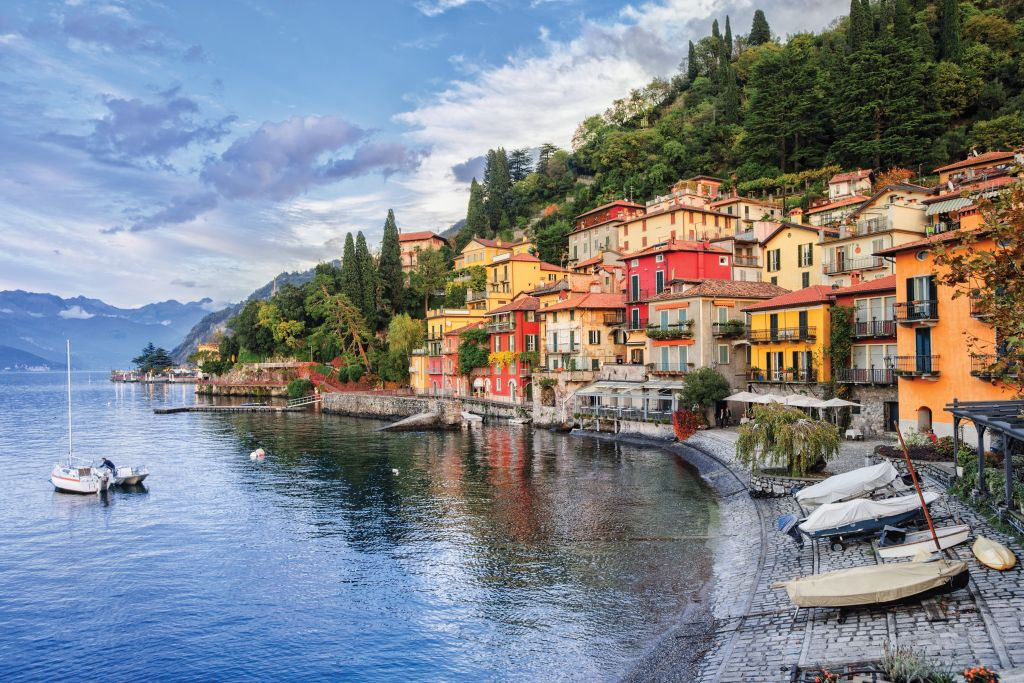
{"x":502,"y":358}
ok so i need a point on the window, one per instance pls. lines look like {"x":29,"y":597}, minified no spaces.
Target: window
{"x":659,"y":281}
{"x":634,"y":287}
{"x":572,"y":314}
{"x":575,"y":251}
{"x":663,"y":318}
{"x":805,"y":279}
{"x":775,"y":280}
{"x":681,"y":315}
{"x":511,"y":343}
{"x":723,"y":260}
{"x":634,"y":263}
{"x":594,"y":336}
{"x":659,"y":258}
{"x":531,"y":316}
{"x":497,"y":343}
{"x":774,"y":259}
{"x":531,"y":342}
{"x":634,"y":318}
{"x":721,"y":314}
{"x":682,"y":357}
{"x":723,"y":354}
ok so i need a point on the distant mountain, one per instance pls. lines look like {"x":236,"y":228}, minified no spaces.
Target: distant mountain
{"x":217,"y":321}
{"x":453,"y":230}
{"x":15,"y":359}
{"x":102,"y":336}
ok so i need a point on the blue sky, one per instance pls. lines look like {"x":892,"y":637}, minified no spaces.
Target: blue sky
{"x":156,"y":150}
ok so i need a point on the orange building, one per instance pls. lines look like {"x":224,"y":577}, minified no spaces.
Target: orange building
{"x":411,"y":243}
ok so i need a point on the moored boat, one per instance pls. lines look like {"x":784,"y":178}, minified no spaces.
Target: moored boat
{"x":127,"y":475}
{"x":855,"y":518}
{"x":876,"y":584}
{"x":859,"y":483}
{"x":898,"y":543}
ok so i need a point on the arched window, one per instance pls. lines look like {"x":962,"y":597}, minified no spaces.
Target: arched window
{"x":924,"y":419}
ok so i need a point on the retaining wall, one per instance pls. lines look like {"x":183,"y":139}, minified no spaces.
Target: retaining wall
{"x":385,"y":407}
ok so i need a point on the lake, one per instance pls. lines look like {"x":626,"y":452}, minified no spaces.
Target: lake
{"x":498,"y":552}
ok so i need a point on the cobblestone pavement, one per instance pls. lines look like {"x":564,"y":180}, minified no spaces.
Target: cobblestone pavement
{"x":760,"y":636}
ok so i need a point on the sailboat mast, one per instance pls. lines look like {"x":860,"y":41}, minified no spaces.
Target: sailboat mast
{"x":70,"y":446}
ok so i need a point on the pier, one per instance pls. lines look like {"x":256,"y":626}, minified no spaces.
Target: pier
{"x":294,"y":405}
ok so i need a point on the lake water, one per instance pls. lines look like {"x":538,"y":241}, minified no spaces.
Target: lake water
{"x":495,"y":553}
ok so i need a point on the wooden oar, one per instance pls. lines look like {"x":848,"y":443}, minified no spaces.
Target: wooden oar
{"x":917,"y":485}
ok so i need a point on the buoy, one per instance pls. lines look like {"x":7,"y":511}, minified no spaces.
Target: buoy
{"x":258,"y":454}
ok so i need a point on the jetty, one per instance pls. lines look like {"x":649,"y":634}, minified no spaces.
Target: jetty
{"x":294,"y":405}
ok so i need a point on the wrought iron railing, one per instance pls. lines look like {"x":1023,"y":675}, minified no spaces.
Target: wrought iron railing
{"x":505,"y":326}
{"x":803,"y":375}
{"x":732,"y":329}
{"x":614,"y":318}
{"x":875,"y":328}
{"x":849,"y":264}
{"x":669,"y":368}
{"x":987,"y":366}
{"x":673,"y":331}
{"x":750,"y":261}
{"x":865,"y":376}
{"x":915,"y":365}
{"x":916,"y":311}
{"x":783,"y":334}
{"x":562,"y":347}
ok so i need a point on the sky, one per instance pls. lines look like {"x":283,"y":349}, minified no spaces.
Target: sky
{"x":181,"y":149}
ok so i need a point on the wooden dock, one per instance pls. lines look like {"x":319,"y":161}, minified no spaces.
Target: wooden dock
{"x":293,"y":406}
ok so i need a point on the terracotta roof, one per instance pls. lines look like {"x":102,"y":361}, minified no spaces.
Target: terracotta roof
{"x":522,"y":303}
{"x":617,"y":202}
{"x":516,"y":257}
{"x":417,"y":236}
{"x":850,"y":175}
{"x":557,"y":286}
{"x":460,"y":330}
{"x":817,"y":229}
{"x":616,"y":220}
{"x":877,"y":285}
{"x":593,"y":260}
{"x":950,"y":236}
{"x":748,"y":200}
{"x":906,"y":187}
{"x":737,"y":289}
{"x":591,"y":300}
{"x":975,"y":160}
{"x":494,"y":243}
{"x":552,"y":267}
{"x":678,"y":207}
{"x":845,"y":201}
{"x":815,"y":294}
{"x":974,"y":187}
{"x":677,"y":245}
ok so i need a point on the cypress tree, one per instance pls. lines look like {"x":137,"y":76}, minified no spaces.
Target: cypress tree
{"x":901,"y":20}
{"x":861,"y":25}
{"x":949,"y":41}
{"x":730,"y":97}
{"x":715,"y":33}
{"x":389,"y":268}
{"x":350,"y":286}
{"x":367,"y":280}
{"x":691,"y":63}
{"x":476,"y":218}
{"x":728,"y":38}
{"x":925,"y":44}
{"x":760,"y":32}
{"x":497,"y":188}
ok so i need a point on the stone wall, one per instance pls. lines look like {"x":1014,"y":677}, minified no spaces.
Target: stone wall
{"x":251,"y":390}
{"x":385,"y":407}
{"x":871,"y":420}
{"x":771,"y":485}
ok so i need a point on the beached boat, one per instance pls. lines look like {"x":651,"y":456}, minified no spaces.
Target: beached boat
{"x":863,"y":482}
{"x":876,"y":584}
{"x":854,"y":518}
{"x":992,"y":554}
{"x":899,"y":543}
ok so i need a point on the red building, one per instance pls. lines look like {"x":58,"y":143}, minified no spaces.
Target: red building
{"x":617,"y":210}
{"x":649,"y":271}
{"x":514,"y":328}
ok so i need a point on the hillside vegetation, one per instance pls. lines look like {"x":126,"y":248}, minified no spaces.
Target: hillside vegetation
{"x":896,"y":83}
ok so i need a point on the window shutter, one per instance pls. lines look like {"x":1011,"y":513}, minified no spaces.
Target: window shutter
{"x":810,"y":254}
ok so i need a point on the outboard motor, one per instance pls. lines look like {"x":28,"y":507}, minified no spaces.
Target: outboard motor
{"x":907,"y":480}
{"x":787,"y":525}
{"x":891,"y":535}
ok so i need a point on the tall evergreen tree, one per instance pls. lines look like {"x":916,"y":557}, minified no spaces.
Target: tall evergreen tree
{"x":692,"y":67}
{"x":367,"y":280}
{"x":715,"y":33}
{"x":901,"y":20}
{"x":497,"y":187}
{"x":350,"y":274}
{"x":544,"y":156}
{"x":860,"y":30}
{"x":728,"y":38}
{"x":476,"y":217}
{"x":519,"y":164}
{"x":729,"y":98}
{"x":389,"y":268}
{"x":949,"y":41}
{"x":925,"y":43}
{"x":760,"y":32}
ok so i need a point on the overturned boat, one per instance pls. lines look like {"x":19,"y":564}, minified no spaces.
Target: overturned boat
{"x":855,"y":518}
{"x":863,"y":482}
{"x":876,"y":584}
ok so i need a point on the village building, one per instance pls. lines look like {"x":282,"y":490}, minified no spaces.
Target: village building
{"x":412,"y":243}
{"x":419,"y":380}
{"x":597,"y":230}
{"x":747,"y":209}
{"x":788,"y":336}
{"x":683,"y":214}
{"x":583,"y":332}
{"x":746,"y":254}
{"x":975,"y":168}
{"x":481,"y":252}
{"x":849,"y":184}
{"x":509,"y":274}
{"x":833,"y":212}
{"x":514,"y":340}
{"x":791,"y":255}
{"x":893,"y":215}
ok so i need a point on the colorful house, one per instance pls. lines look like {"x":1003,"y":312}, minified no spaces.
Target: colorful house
{"x":746,"y":254}
{"x":650,"y":271}
{"x":791,"y":256}
{"x":788,"y":336}
{"x":584,"y":332}
{"x":849,"y":184}
{"x":976,"y":167}
{"x":834,"y":211}
{"x":480,"y":252}
{"x":507,"y":276}
{"x":515,"y":339}
{"x":747,"y":209}
{"x":597,"y":230}
{"x":893,"y":215}
{"x":700,"y":325}
{"x":684,"y":214}
{"x":419,"y":380}
{"x":412,"y":243}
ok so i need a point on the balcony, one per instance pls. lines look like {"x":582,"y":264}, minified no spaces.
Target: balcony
{"x":917,"y":312}
{"x":748,"y":261}
{"x":562,"y":347}
{"x":783,"y":334}
{"x":637,"y":326}
{"x":637,"y":295}
{"x":978,"y":309}
{"x":668,"y":332}
{"x":669,"y":368}
{"x":869,"y":226}
{"x":472,"y":295}
{"x":506,"y":326}
{"x":612,"y":319}
{"x":915,"y":366}
{"x":499,"y":287}
{"x":848,"y":265}
{"x":865,"y":376}
{"x":874,"y":328}
{"x":992,"y":366}
{"x":796,"y":376}
{"x":732,"y":329}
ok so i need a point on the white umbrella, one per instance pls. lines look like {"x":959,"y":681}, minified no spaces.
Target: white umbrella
{"x":804,"y":402}
{"x":767,"y":398}
{"x":742,"y":397}
{"x":837,"y":403}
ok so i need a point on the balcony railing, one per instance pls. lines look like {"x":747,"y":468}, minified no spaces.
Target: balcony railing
{"x":749,"y":261}
{"x":673,"y":331}
{"x":916,"y":311}
{"x":783,"y":334}
{"x":506,"y":326}
{"x":977,"y":308}
{"x":911,"y":366}
{"x":987,"y":366}
{"x":875,"y":328}
{"x":850,"y":264}
{"x":638,"y":414}
{"x":873,"y":225}
{"x":798,"y":376}
{"x":865,"y":375}
{"x":634,"y":295}
{"x":732,"y":329}
{"x":944,"y":226}
{"x":669,"y":368}
{"x":614,"y":319}
{"x":562,"y":347}
{"x":472,"y":295}
{"x":637,"y":326}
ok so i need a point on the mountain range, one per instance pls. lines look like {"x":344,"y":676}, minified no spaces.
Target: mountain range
{"x":18,"y":360}
{"x":102,"y":336}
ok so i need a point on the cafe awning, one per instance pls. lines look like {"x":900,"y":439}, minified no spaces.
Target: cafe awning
{"x":947,"y":205}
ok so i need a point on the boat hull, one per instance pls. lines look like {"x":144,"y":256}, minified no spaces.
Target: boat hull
{"x":867,"y":526}
{"x":79,"y":480}
{"x":877,"y":584}
{"x":993,"y":555}
{"x":922,"y":540}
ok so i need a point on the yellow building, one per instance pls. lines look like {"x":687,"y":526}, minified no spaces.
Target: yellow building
{"x":481,"y":252}
{"x":892,"y":216}
{"x":747,"y":209}
{"x":791,"y":256}
{"x":583,"y":332}
{"x":442,"y":320}
{"x":509,"y":275}
{"x":788,"y":336}
{"x":418,"y":379}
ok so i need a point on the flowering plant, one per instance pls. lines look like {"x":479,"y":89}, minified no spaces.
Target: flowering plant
{"x":980,"y":674}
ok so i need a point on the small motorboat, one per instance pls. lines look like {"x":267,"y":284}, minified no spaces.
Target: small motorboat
{"x":992,"y":554}
{"x":126,"y":475}
{"x":876,"y":584}
{"x":864,"y":482}
{"x":899,"y":543}
{"x":258,"y":454}
{"x":854,"y":518}
{"x":519,"y":421}
{"x":471,"y":418}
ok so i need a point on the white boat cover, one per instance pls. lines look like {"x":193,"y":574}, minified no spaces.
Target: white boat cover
{"x":852,"y":484}
{"x":832,"y":515}
{"x":870,"y":584}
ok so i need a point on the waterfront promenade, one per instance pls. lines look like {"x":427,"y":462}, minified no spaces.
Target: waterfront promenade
{"x":758,"y":636}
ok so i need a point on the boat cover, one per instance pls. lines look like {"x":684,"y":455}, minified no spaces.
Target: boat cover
{"x":833,"y":515}
{"x":852,"y":484}
{"x":870,"y":584}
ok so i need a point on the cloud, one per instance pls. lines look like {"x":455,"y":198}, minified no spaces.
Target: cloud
{"x":177,"y":282}
{"x":433,"y":8}
{"x":75,"y":313}
{"x":181,"y":209}
{"x":133,"y":130}
{"x":469,"y":169}
{"x":111,"y":27}
{"x":194,"y":54}
{"x":281,"y":160}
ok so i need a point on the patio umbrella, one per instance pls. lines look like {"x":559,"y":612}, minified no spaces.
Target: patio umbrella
{"x":768,"y":398}
{"x":837,"y":403}
{"x":742,"y":397}
{"x":804,"y":402}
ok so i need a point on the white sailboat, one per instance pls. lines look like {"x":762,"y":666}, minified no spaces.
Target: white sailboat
{"x":75,"y":478}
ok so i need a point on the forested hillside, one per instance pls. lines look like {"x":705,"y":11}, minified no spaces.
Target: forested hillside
{"x":896,"y":83}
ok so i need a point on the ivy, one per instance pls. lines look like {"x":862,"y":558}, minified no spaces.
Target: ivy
{"x":529,"y":357}
{"x":841,"y":343}
{"x":472,"y":350}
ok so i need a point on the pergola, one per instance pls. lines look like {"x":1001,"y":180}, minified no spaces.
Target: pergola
{"x":1005,"y":418}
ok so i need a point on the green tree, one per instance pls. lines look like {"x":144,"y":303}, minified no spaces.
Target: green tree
{"x":859,"y":30}
{"x":519,"y":164}
{"x":476,"y":218}
{"x":153,"y":359}
{"x":350,"y":272}
{"x":760,"y":32}
{"x":901,"y":20}
{"x":287,"y":333}
{"x":543,"y":155}
{"x":473,"y":350}
{"x":252,"y":336}
{"x":389,"y":268}
{"x":405,"y":334}
{"x":779,"y":436}
{"x":691,"y":64}
{"x":343,"y":330}
{"x":949,"y":36}
{"x":1004,"y":132}
{"x":429,"y":276}
{"x":552,"y":241}
{"x":368,"y":304}
{"x":704,"y":387}
{"x":228,"y":349}
{"x":728,"y":39}
{"x":715,"y":33}
{"x":497,"y":187}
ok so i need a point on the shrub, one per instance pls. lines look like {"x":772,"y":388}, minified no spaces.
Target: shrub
{"x":906,"y":665}
{"x":298,"y":388}
{"x":325,"y":370}
{"x":685,"y":423}
{"x":343,"y":374}
{"x":355,"y":372}
{"x":704,"y":387}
